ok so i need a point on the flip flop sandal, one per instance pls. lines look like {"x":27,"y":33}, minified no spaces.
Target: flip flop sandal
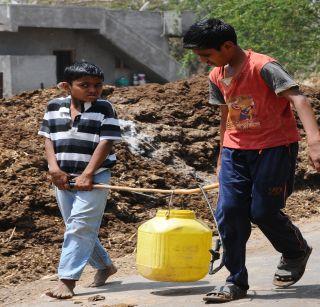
{"x":226,"y":293}
{"x":290,"y":270}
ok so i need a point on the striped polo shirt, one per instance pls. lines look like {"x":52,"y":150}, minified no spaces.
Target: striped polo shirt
{"x":74,"y":143}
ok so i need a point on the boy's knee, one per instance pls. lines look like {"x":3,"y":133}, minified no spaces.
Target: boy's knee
{"x":265,"y":209}
{"x":261,"y":216}
{"x":82,"y":226}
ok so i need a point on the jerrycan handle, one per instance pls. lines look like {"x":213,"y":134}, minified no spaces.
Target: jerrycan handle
{"x":169,"y":206}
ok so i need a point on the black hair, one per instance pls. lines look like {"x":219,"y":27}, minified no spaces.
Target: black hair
{"x":81,"y":69}
{"x":209,"y":33}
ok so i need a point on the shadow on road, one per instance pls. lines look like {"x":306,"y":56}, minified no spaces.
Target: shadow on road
{"x":183,"y":291}
{"x":117,"y":286}
{"x":304,"y":291}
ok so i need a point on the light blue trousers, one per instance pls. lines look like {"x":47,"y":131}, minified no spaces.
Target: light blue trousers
{"x":82,"y":213}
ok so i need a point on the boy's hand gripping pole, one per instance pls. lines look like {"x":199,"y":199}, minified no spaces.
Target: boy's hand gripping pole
{"x":215,"y":254}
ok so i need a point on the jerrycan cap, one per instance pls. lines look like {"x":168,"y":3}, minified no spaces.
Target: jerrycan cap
{"x":181,"y":214}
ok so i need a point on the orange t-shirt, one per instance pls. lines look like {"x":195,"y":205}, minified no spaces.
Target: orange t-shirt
{"x":257,"y":117}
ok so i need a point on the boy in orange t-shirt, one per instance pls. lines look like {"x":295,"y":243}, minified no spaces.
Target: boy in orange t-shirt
{"x":259,"y":147}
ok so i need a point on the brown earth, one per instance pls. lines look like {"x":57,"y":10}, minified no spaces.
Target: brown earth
{"x":177,"y":133}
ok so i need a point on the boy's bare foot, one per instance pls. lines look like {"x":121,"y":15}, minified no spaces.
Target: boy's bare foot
{"x":102,"y":275}
{"x":63,"y":290}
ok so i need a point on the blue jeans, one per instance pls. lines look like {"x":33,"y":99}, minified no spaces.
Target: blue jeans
{"x":254,"y":186}
{"x":82,"y":213}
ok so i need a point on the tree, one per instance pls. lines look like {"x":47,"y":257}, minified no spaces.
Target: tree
{"x":288,"y":30}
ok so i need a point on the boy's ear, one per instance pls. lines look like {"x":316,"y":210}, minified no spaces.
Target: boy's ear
{"x":228,"y":45}
{"x":65,"y":86}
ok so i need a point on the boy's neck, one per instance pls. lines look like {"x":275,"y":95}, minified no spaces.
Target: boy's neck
{"x":77,"y":104}
{"x":238,"y":58}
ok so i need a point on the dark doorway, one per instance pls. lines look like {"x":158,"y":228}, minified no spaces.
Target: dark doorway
{"x":1,"y":84}
{"x":64,"y":59}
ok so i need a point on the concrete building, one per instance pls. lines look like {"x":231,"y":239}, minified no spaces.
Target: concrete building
{"x":38,"y":42}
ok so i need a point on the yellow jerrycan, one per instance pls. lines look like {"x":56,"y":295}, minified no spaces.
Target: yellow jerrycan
{"x":173,"y":246}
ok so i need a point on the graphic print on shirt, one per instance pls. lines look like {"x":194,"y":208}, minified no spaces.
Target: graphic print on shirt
{"x":242,"y":113}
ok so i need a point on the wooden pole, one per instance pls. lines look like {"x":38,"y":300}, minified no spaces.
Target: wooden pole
{"x":175,"y":191}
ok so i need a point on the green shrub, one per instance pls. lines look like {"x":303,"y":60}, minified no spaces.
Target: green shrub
{"x":288,"y":30}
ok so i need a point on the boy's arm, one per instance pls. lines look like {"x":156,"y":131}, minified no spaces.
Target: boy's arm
{"x":223,"y":122}
{"x":216,"y":99}
{"x":59,"y":178}
{"x":309,"y":123}
{"x":279,"y":80}
{"x":85,"y":180}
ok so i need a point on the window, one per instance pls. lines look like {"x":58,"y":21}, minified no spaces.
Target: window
{"x":119,"y":63}
{"x":1,"y":84}
{"x":64,"y":58}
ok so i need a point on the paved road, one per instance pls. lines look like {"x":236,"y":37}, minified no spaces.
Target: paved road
{"x":261,"y":263}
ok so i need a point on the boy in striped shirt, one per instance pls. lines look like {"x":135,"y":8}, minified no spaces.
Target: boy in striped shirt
{"x":79,"y":132}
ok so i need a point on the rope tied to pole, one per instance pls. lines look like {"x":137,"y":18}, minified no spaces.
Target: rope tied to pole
{"x":169,"y":206}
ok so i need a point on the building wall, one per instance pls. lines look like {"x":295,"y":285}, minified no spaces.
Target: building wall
{"x":147,"y":24}
{"x":32,"y":72}
{"x":5,"y":68}
{"x":92,"y":34}
{"x":86,"y":44}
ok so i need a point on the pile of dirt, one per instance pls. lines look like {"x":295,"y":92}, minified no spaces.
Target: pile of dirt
{"x":172,"y":132}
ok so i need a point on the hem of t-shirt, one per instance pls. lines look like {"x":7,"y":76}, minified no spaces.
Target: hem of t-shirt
{"x":47,"y":135}
{"x":111,"y":138}
{"x":265,"y":146}
{"x":98,"y":171}
{"x":285,"y":87}
{"x":216,"y":102}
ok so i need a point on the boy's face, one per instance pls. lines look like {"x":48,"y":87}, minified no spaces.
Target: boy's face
{"x":214,"y":57}
{"x":86,"y":89}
